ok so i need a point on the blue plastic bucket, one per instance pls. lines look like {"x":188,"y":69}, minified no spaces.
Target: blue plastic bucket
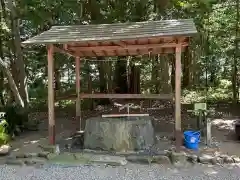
{"x":191,"y":139}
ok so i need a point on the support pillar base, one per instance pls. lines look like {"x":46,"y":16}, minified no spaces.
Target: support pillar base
{"x":52,"y":134}
{"x":179,"y":140}
{"x":77,"y":123}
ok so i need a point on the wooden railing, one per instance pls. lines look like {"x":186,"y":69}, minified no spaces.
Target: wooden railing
{"x":118,"y":96}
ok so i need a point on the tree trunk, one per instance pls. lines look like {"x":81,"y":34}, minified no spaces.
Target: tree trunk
{"x":57,"y":78}
{"x":22,"y":79}
{"x":153,"y":74}
{"x":173,"y":74}
{"x":12,"y":84}
{"x":157,"y":78}
{"x":109,"y":76}
{"x":102,"y":80}
{"x":135,"y":79}
{"x":120,"y":77}
{"x":102,"y":77}
{"x":164,"y":75}
{"x":234,"y":66}
{"x":1,"y":72}
{"x":213,"y":73}
{"x":186,"y":68}
{"x":91,"y":107}
{"x":2,"y":88}
{"x":196,"y":69}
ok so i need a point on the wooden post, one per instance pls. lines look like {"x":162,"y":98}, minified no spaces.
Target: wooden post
{"x":178,"y":132}
{"x":209,"y":132}
{"x":78,"y":100}
{"x":51,"y":114}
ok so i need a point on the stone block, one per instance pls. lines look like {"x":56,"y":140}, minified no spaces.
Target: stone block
{"x":205,"y":159}
{"x":119,"y":134}
{"x":21,"y":155}
{"x":139,"y":159}
{"x":48,"y":148}
{"x":4,"y":150}
{"x":43,"y":154}
{"x":14,"y":161}
{"x":34,"y":161}
{"x":161,"y":159}
{"x":219,"y":160}
{"x":178,"y":157}
{"x":228,"y":160}
{"x":192,"y":158}
{"x":109,"y":160}
{"x":236,"y":159}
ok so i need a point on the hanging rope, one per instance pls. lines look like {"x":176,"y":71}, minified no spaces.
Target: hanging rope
{"x":104,"y":60}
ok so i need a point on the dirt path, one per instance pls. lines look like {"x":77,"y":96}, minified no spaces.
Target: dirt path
{"x":30,"y":141}
{"x":163,"y":124}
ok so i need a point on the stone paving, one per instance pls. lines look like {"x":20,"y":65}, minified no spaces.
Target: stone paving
{"x":40,"y":154}
{"x":162,"y":153}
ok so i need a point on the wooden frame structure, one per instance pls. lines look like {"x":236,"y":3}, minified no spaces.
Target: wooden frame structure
{"x":119,"y":39}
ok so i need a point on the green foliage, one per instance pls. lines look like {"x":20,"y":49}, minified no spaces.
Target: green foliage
{"x":4,"y":137}
{"x":212,"y":50}
{"x":65,"y":103}
{"x":222,"y":92}
{"x":15,"y":117}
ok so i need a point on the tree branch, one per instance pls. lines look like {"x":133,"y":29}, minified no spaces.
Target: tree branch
{"x":12,"y":84}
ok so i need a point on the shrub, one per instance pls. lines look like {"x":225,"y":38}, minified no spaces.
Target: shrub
{"x":15,"y":117}
{"x":4,"y":137}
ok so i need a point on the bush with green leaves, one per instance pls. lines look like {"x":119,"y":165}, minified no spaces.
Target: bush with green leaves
{"x":220,"y":93}
{"x":15,"y":117}
{"x":4,"y":137}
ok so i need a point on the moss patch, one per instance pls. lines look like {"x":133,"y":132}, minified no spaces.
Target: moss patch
{"x":68,"y":159}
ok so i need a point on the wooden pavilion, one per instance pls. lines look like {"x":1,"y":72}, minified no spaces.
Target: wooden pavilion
{"x":119,"y":39}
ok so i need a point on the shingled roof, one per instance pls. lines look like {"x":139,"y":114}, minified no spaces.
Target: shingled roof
{"x":117,"y":31}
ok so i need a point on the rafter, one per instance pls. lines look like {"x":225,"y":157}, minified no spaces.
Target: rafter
{"x":63,"y":51}
{"x":110,"y":53}
{"x":120,"y":43}
{"x":128,"y":47}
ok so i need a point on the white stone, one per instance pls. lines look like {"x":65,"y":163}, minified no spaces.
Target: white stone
{"x":219,"y":160}
{"x":4,"y":149}
{"x":228,"y":160}
{"x":109,"y":160}
{"x":178,"y":157}
{"x":192,"y":158}
{"x":205,"y":159}
{"x":236,"y":159}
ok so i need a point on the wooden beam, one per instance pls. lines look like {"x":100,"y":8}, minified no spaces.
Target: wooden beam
{"x":178,"y":71}
{"x":117,"y":96}
{"x":133,"y":52}
{"x":64,"y":51}
{"x":120,"y":43}
{"x":123,"y":115}
{"x":78,"y":100}
{"x":127,"y":47}
{"x":127,"y":96}
{"x":51,"y":114}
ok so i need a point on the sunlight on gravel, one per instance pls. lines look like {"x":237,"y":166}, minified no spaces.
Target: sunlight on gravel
{"x":224,"y":123}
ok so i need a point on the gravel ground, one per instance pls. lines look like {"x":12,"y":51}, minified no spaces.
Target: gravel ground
{"x":129,"y":172}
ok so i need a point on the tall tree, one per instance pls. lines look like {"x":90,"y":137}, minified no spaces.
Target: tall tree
{"x":234,"y":65}
{"x":20,"y":65}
